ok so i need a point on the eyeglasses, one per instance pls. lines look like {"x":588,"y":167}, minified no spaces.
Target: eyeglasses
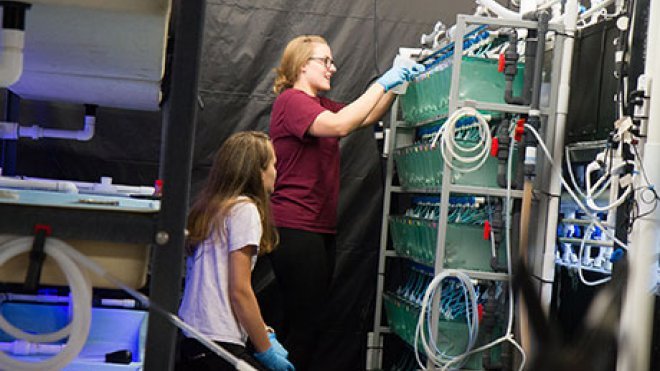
{"x":327,"y":61}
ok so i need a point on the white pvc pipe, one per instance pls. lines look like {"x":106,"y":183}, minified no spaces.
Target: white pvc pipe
{"x":36,"y":132}
{"x":503,"y":12}
{"x":527,"y":6}
{"x":11,"y":56}
{"x":591,"y":11}
{"x":498,"y":9}
{"x":637,"y":317}
{"x":548,"y":269}
{"x":31,"y":298}
{"x":12,"y":130}
{"x":588,"y":13}
{"x":104,"y":187}
{"x":42,"y":185}
{"x":26,"y":348}
{"x":125,"y":303}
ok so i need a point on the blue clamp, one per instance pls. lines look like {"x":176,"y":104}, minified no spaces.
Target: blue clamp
{"x":616,"y":255}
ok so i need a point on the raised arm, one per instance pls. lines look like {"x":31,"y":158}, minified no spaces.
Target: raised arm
{"x":367,"y":109}
{"x":349,"y":118}
{"x":381,"y":108}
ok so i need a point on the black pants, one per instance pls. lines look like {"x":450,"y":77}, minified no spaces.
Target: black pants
{"x":195,"y":356}
{"x":303,"y":265}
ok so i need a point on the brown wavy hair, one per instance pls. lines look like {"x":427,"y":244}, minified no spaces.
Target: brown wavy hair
{"x":296,"y":54}
{"x":236,"y":171}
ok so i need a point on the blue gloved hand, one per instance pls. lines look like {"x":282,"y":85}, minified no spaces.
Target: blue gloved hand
{"x":273,"y":360}
{"x":395,"y":76}
{"x":279,"y":349}
{"x":417,"y":69}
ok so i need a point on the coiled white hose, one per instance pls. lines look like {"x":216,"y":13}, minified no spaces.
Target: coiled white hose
{"x":458,"y":151}
{"x":76,"y":331}
{"x":81,"y":290}
{"x":428,"y":344}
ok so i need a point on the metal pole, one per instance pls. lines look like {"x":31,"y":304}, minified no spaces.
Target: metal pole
{"x":179,"y":118}
{"x":570,"y":21}
{"x":375,"y":339}
{"x":637,"y":316}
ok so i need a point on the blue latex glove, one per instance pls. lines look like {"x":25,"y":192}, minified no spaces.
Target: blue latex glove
{"x":273,"y":360}
{"x":417,"y":69}
{"x":395,"y":76}
{"x":279,"y":349}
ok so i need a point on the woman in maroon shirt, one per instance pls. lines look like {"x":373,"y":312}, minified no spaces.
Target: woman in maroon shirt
{"x":305,"y":130}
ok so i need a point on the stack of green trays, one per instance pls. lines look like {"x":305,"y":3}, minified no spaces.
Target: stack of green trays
{"x":465,"y":247}
{"x":420,"y":166}
{"x":428,"y":97}
{"x":403,"y":315}
{"x":414,"y":238}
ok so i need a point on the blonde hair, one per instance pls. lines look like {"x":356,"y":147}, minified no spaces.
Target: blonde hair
{"x":296,"y":54}
{"x":237,"y":171}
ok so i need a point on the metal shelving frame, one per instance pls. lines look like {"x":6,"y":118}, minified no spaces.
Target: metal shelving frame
{"x":165,"y":229}
{"x":402,"y":135}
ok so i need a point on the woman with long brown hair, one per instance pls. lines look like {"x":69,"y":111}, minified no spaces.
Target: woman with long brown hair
{"x":229,"y":225}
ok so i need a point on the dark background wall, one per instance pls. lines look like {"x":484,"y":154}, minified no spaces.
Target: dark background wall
{"x":243,"y":42}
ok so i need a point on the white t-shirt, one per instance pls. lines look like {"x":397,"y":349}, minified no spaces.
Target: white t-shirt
{"x":205,"y":304}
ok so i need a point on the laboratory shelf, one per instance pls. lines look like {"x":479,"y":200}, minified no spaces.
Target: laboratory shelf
{"x":85,"y":201}
{"x":79,"y":216}
{"x":465,"y":246}
{"x":460,"y":189}
{"x":474,"y":274}
{"x":159,"y":224}
{"x":433,"y":241}
{"x":432,"y":120}
{"x":499,"y":107}
{"x":486,"y":276}
{"x":403,"y":316}
{"x":498,"y":192}
{"x":84,"y":224}
{"x":582,"y":222}
{"x":575,"y":267}
{"x":578,"y":241}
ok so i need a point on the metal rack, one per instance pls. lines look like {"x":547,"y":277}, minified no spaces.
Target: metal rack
{"x":402,"y":135}
{"x":164,"y":229}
